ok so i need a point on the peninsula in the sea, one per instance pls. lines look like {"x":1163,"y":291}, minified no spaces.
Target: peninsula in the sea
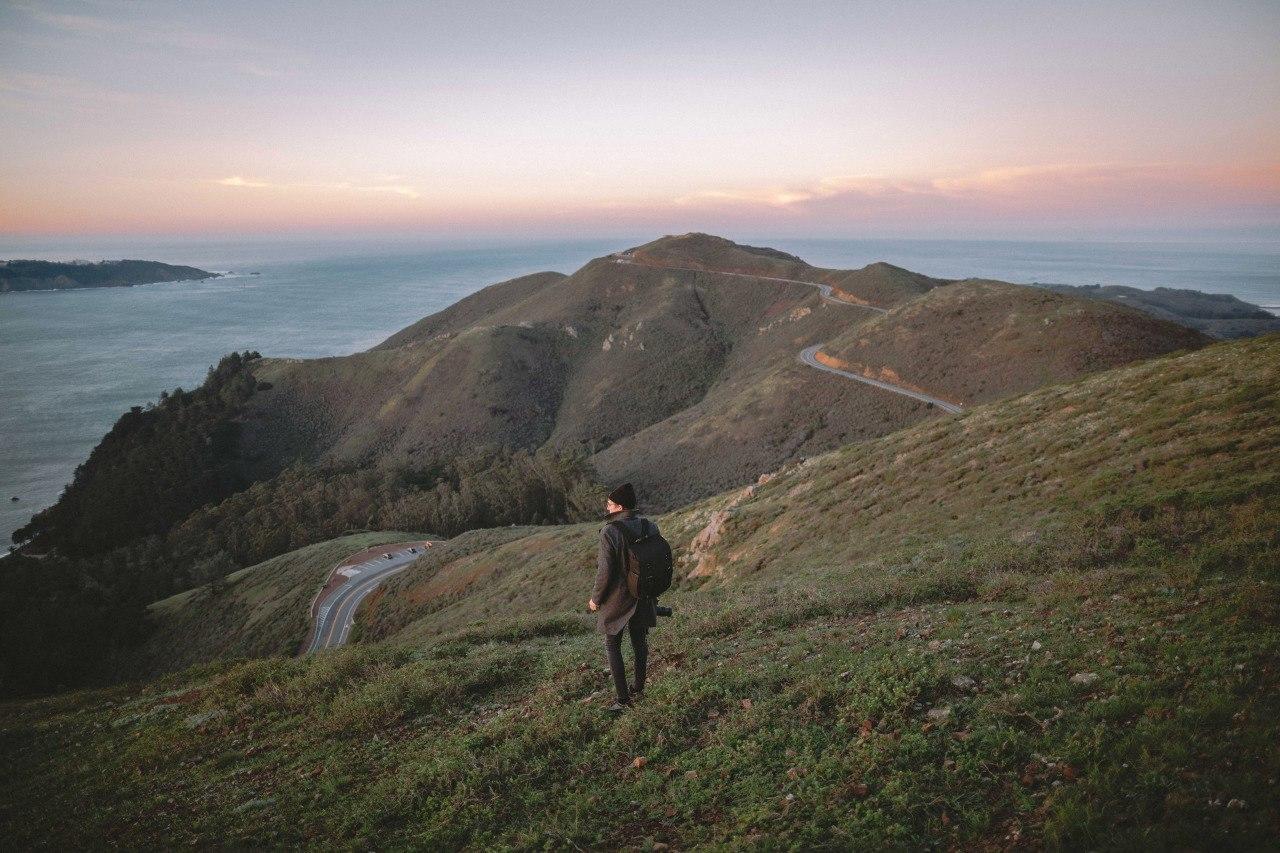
{"x":20,"y":275}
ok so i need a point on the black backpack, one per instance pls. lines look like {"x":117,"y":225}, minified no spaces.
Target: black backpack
{"x":646,"y":560}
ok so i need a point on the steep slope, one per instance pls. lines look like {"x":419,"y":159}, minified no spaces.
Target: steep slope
{"x":487,"y":386}
{"x":1018,"y":473}
{"x":1047,"y":622}
{"x":656,"y":359}
{"x":586,"y":362}
{"x":653,"y":362}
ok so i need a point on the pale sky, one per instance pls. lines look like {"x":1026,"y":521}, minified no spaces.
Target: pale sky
{"x":826,"y":119}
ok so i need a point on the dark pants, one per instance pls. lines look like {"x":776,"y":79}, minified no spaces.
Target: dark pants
{"x":640,"y":648}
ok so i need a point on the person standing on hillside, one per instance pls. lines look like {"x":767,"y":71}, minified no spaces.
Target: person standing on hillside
{"x":615,"y":608}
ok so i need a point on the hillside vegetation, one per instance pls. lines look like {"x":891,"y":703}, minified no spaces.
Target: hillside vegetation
{"x":184,"y":447}
{"x":1044,"y":622}
{"x":652,"y":364}
{"x":78,"y":617}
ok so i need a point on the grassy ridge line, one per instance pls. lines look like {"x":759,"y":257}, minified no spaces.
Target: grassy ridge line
{"x":1082,"y":654}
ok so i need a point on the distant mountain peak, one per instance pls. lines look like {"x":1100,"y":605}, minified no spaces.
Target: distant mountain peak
{"x":708,"y":251}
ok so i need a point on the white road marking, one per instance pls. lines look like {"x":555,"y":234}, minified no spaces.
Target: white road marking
{"x":335,"y":617}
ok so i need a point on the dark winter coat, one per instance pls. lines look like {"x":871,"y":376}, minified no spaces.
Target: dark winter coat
{"x":610,"y":594}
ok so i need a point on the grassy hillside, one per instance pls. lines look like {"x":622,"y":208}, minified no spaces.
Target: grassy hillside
{"x":653,"y":364}
{"x":1218,"y":315}
{"x":976,"y":341}
{"x":1045,"y":622}
{"x":589,"y":361}
{"x":649,"y":366}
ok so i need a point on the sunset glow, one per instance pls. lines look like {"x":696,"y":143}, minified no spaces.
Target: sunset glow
{"x":815,"y":118}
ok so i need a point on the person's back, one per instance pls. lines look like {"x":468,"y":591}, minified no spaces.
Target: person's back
{"x":617,"y":610}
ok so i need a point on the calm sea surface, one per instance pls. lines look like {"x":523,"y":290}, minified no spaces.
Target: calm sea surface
{"x":72,"y":361}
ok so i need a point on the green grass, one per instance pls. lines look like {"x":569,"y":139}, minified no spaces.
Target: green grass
{"x":883,"y":658}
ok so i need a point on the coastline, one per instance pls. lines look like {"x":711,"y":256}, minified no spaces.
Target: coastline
{"x":118,"y":286}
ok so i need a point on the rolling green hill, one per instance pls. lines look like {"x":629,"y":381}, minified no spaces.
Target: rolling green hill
{"x":1046,"y":622}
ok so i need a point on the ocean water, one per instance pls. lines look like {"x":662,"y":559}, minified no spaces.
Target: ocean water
{"x":72,"y":361}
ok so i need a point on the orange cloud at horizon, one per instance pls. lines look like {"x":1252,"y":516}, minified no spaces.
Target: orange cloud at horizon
{"x":1042,"y":194}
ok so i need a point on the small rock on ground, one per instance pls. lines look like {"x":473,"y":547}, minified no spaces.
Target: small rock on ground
{"x":196,"y":720}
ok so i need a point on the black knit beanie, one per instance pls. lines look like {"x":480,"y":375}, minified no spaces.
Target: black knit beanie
{"x":624,"y":496}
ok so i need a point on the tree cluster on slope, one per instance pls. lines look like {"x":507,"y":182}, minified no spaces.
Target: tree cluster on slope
{"x":163,"y":506}
{"x":156,"y":465}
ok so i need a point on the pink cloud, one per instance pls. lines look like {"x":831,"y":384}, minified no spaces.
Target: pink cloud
{"x":1040,"y":192}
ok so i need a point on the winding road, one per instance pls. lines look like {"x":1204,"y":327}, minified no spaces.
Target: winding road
{"x":809,"y":355}
{"x":336,"y":612}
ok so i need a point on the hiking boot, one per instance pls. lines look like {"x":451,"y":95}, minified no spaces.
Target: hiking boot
{"x":617,"y":708}
{"x":636,"y":692}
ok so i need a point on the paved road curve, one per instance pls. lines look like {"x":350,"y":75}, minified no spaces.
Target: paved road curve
{"x":335,"y":615}
{"x":809,"y":355}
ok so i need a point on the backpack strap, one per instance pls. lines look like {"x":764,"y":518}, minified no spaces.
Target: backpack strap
{"x":622,"y":531}
{"x":627,"y":541}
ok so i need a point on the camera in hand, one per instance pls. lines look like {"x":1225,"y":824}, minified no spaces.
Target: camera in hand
{"x":662,"y":611}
